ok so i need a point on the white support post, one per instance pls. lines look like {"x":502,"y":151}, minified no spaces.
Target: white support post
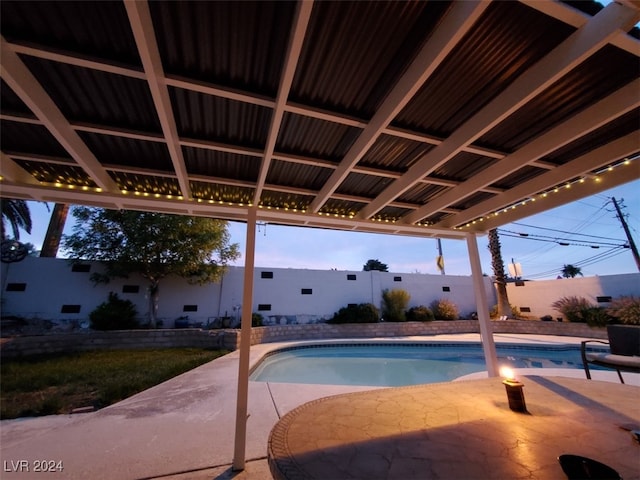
{"x":245,"y":345}
{"x":486,"y":330}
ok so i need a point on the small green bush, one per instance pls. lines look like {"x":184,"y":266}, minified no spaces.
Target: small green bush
{"x":114,"y":314}
{"x":625,"y":309}
{"x":597,"y":317}
{"x":573,"y":308}
{"x":256,"y":319}
{"x":444,"y":309}
{"x":361,"y":313}
{"x":419,"y":314}
{"x":394,"y":305}
{"x":580,"y":310}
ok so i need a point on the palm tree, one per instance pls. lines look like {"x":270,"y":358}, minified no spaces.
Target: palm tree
{"x":498,"y":270}
{"x":17,"y":214}
{"x":570,"y":271}
{"x":51,"y":241}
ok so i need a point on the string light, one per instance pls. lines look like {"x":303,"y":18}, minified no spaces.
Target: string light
{"x":140,"y":191}
{"x":596,"y":177}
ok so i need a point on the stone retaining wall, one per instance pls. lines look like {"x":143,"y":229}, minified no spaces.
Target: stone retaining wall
{"x":121,"y":339}
{"x":549,"y":328}
{"x":284,"y":333}
{"x":230,"y":339}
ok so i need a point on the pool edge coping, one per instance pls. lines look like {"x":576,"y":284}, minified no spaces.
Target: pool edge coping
{"x":272,"y":348}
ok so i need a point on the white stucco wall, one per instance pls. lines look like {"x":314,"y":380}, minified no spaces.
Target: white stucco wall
{"x":50,"y":284}
{"x":539,"y":295}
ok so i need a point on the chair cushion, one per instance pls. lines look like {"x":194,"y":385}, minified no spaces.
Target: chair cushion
{"x":624,"y":339}
{"x":628,"y":361}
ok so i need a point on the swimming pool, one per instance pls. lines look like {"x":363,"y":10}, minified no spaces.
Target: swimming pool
{"x":399,"y":364}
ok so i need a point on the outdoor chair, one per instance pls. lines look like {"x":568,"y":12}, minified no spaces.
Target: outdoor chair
{"x":583,"y":468}
{"x":624,"y":351}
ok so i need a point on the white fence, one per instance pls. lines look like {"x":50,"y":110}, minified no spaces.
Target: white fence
{"x":48,"y":288}
{"x":535,"y":298}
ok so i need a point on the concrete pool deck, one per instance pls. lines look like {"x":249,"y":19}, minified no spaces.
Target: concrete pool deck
{"x":184,"y":428}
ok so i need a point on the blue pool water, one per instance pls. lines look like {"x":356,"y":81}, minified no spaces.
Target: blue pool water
{"x":401,"y":364}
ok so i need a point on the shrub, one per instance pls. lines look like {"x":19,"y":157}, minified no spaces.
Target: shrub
{"x":625,"y":309}
{"x":256,"y":319}
{"x":493,"y":313}
{"x":394,"y":304}
{"x":573,"y":308}
{"x":114,"y":314}
{"x":580,"y":310}
{"x":597,"y":317}
{"x":361,"y":313}
{"x":419,"y":314}
{"x":546,"y":318}
{"x":444,"y":309}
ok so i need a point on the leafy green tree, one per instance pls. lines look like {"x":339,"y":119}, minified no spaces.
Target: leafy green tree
{"x":16,"y":213}
{"x":153,"y":245}
{"x":375,"y":265}
{"x":498,"y":271}
{"x":571,"y":271}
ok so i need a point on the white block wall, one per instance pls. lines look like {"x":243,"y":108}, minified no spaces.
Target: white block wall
{"x":49,"y":284}
{"x":539,"y":295}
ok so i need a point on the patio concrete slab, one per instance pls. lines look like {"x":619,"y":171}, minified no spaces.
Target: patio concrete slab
{"x":182,"y":428}
{"x":463,"y":430}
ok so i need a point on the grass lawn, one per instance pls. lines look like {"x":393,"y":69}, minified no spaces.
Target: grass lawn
{"x":53,"y":384}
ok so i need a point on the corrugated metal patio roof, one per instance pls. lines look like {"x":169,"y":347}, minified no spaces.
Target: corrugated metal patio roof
{"x":417,"y":118}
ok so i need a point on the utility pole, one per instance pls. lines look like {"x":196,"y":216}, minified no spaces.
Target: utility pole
{"x":634,"y":249}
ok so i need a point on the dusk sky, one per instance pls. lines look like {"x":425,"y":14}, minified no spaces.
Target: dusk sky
{"x":591,"y":220}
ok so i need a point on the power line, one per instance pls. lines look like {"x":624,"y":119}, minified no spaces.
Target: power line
{"x":611,"y":254}
{"x":557,"y":237}
{"x":632,"y":244}
{"x":596,"y":258}
{"x":601,"y":257}
{"x":535,"y":253}
{"x":560,"y":241}
{"x":590,"y":220}
{"x":567,"y":233}
{"x":548,"y":247}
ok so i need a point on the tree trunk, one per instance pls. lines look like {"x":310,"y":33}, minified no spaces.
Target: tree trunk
{"x":51,"y":242}
{"x":153,"y":303}
{"x":498,"y":270}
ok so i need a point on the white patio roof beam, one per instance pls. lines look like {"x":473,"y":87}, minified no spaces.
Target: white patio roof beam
{"x":600,"y":30}
{"x":458,"y":20}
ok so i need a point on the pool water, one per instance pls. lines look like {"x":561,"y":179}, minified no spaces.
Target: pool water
{"x":401,"y":364}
